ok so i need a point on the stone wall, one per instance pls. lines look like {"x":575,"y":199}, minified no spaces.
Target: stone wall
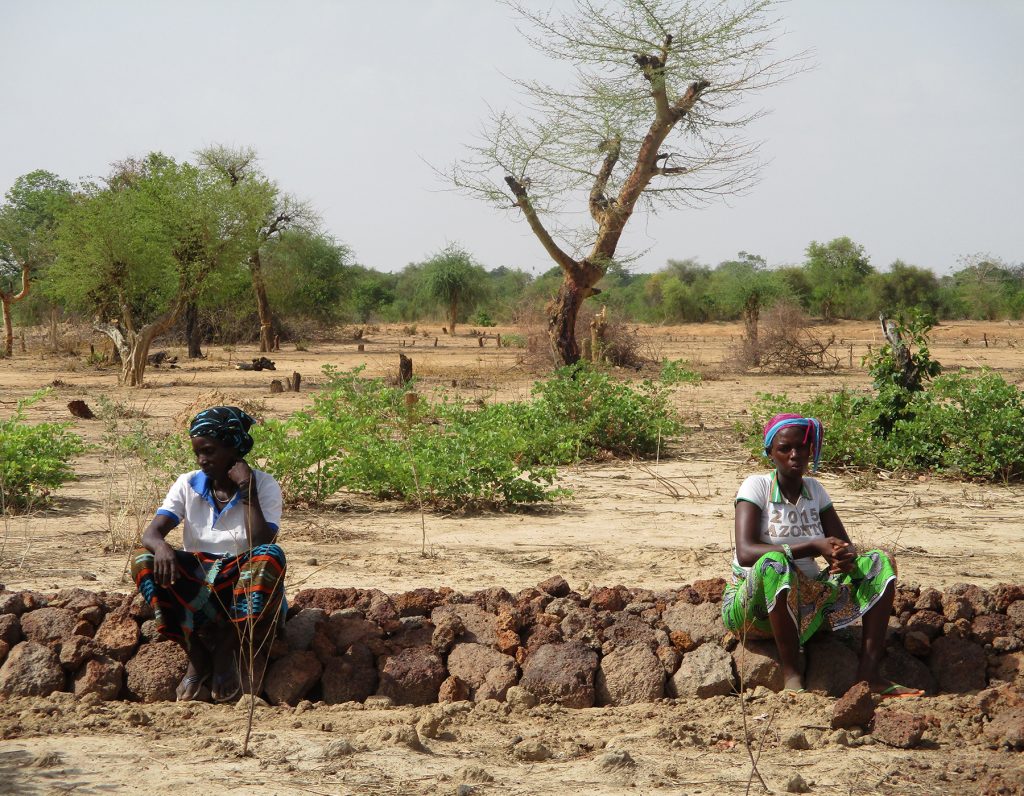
{"x":549,"y":644}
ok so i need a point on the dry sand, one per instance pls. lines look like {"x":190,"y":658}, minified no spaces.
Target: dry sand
{"x":640,"y":524}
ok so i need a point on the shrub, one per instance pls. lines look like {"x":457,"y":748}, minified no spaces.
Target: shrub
{"x":482,"y":318}
{"x":677,"y":371}
{"x":368,"y":437}
{"x":34,"y":459}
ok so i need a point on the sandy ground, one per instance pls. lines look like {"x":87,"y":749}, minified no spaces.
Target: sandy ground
{"x":640,"y":524}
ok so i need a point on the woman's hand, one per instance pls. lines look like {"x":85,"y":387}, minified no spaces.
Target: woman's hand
{"x":164,"y":564}
{"x":838,"y":552}
{"x":240,"y":473}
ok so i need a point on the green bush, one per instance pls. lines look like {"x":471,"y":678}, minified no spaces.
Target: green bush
{"x":362,"y":435}
{"x":961,"y":425}
{"x":34,"y":459}
{"x":677,"y":371}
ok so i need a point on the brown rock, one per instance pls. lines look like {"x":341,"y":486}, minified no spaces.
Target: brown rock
{"x":928,"y":622}
{"x":493,"y":600}
{"x":328,"y":600}
{"x":628,"y":630}
{"x":606,"y":599}
{"x":453,"y":690}
{"x":905,"y":599}
{"x":898,"y":728}
{"x":345,"y":630}
{"x":584,"y":625}
{"x":899,"y":666}
{"x":757,"y":663}
{"x":487,"y":673}
{"x":11,"y":603}
{"x":1003,"y":594}
{"x":628,"y":675}
{"x":955,"y":606}
{"x":418,"y":602}
{"x":102,"y":676}
{"x":682,"y":641}
{"x":448,"y":628}
{"x":855,"y":708}
{"x":77,"y":600}
{"x":958,"y":665}
{"x":137,"y":608}
{"x":83,"y":627}
{"x":1015,"y":613}
{"x":710,"y":590}
{"x":290,"y":678}
{"x":556,"y":586}
{"x":1008,"y":668}
{"x":118,"y":636}
{"x":10,"y":629}
{"x":917,"y":643}
{"x":322,"y":645}
{"x":76,"y":651}
{"x":383,"y":612}
{"x":831,"y":667}
{"x":4,"y":649}
{"x":507,"y":642}
{"x":979,"y":599}
{"x":31,"y":669}
{"x":669,"y":658}
{"x":52,"y":626}
{"x":703,"y":673}
{"x":562,"y":674}
{"x":929,"y":600}
{"x":702,"y":623}
{"x":1006,"y":729}
{"x":415,"y":631}
{"x":480,"y":626}
{"x":156,"y":670}
{"x":93,"y":614}
{"x":351,"y":677}
{"x":301,"y":626}
{"x":33,"y":600}
{"x":539,"y":636}
{"x":987,"y":627}
{"x":412,"y":677}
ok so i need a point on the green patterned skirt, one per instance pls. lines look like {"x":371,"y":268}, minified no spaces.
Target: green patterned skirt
{"x":839,"y":600}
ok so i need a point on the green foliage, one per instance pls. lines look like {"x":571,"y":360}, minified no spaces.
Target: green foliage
{"x":836,"y":271}
{"x":482,"y":318}
{"x":917,"y":420}
{"x":513,"y":341}
{"x":677,"y":371}
{"x":128,"y":437}
{"x":454,"y":280}
{"x":362,"y":435}
{"x":34,"y":459}
{"x":307,"y":276}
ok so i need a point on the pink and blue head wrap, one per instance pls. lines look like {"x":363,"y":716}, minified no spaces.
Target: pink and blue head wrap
{"x":814,"y":432}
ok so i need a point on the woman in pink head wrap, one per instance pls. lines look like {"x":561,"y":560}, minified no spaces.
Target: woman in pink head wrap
{"x":785,"y":522}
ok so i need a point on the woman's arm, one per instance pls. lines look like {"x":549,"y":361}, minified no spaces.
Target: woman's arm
{"x":256,"y":526}
{"x":163,"y":554}
{"x":749,"y":546}
{"x":843,"y":554}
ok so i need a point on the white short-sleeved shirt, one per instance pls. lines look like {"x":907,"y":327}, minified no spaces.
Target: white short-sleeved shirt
{"x":781,"y":521}
{"x":212,"y":530}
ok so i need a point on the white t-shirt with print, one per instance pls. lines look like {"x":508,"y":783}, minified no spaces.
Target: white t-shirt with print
{"x":781,"y":521}
{"x":209,"y":529}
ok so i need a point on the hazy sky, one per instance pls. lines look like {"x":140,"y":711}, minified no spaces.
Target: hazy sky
{"x":906,"y":136}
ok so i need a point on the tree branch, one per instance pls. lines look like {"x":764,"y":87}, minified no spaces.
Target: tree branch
{"x":566,"y":262}
{"x":599,"y":203}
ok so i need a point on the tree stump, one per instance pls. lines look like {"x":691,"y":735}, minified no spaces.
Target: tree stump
{"x":598,"y":328}
{"x":404,"y":369}
{"x":276,"y":386}
{"x":80,"y":408}
{"x":360,"y":347}
{"x":435,"y":342}
{"x":296,"y":381}
{"x":498,"y":338}
{"x":480,"y":341}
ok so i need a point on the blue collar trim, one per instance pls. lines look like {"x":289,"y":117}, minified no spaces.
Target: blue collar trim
{"x":203,"y":487}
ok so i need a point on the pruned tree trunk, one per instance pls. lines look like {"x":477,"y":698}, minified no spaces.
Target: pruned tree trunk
{"x":453,"y":314}
{"x":598,"y":327}
{"x":133,"y":346}
{"x":193,"y":331}
{"x":7,"y":299}
{"x":262,"y":302}
{"x":750,"y":319}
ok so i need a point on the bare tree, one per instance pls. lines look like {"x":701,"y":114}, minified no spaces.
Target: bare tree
{"x":653,"y":120}
{"x":282,"y":212}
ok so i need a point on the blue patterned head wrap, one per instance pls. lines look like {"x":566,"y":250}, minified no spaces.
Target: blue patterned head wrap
{"x":229,"y":424}
{"x":815,"y":432}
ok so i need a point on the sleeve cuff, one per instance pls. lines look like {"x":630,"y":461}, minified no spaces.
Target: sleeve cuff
{"x":166,"y":513}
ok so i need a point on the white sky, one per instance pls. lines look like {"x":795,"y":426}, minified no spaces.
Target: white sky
{"x":907,"y":136}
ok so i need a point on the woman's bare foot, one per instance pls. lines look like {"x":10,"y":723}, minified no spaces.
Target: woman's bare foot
{"x":793,"y":683}
{"x":192,"y":684}
{"x":887,"y":690}
{"x":226,"y":685}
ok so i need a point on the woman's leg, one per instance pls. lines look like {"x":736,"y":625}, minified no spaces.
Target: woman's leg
{"x":788,"y":641}
{"x":872,"y":645}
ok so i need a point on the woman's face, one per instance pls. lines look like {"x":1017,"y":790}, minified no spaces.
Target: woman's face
{"x":213,"y":456}
{"x":789,"y":452}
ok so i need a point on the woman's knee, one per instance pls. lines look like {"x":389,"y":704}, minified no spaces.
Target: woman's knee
{"x":273,"y":550}
{"x":142,"y":562}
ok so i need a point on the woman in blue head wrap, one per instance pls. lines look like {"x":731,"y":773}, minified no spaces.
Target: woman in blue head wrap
{"x":220,"y":595}
{"x":785,"y":522}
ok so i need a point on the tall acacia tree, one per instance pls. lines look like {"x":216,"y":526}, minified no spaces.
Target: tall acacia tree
{"x":28,"y":224}
{"x":281,"y":212}
{"x":137,"y":249}
{"x":653,"y":120}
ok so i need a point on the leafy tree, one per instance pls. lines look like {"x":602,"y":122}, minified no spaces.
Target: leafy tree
{"x":984,"y":285}
{"x":135,"y":250}
{"x":280,"y":212}
{"x":836,"y":270}
{"x":308,"y":275}
{"x":905,"y":287}
{"x":454,"y":280}
{"x":371,"y":292}
{"x":28,"y":224}
{"x":660,"y":96}
{"x":745,"y":285}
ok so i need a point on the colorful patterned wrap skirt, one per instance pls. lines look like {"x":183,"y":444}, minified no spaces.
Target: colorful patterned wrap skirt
{"x":839,"y":600}
{"x":208,"y":586}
